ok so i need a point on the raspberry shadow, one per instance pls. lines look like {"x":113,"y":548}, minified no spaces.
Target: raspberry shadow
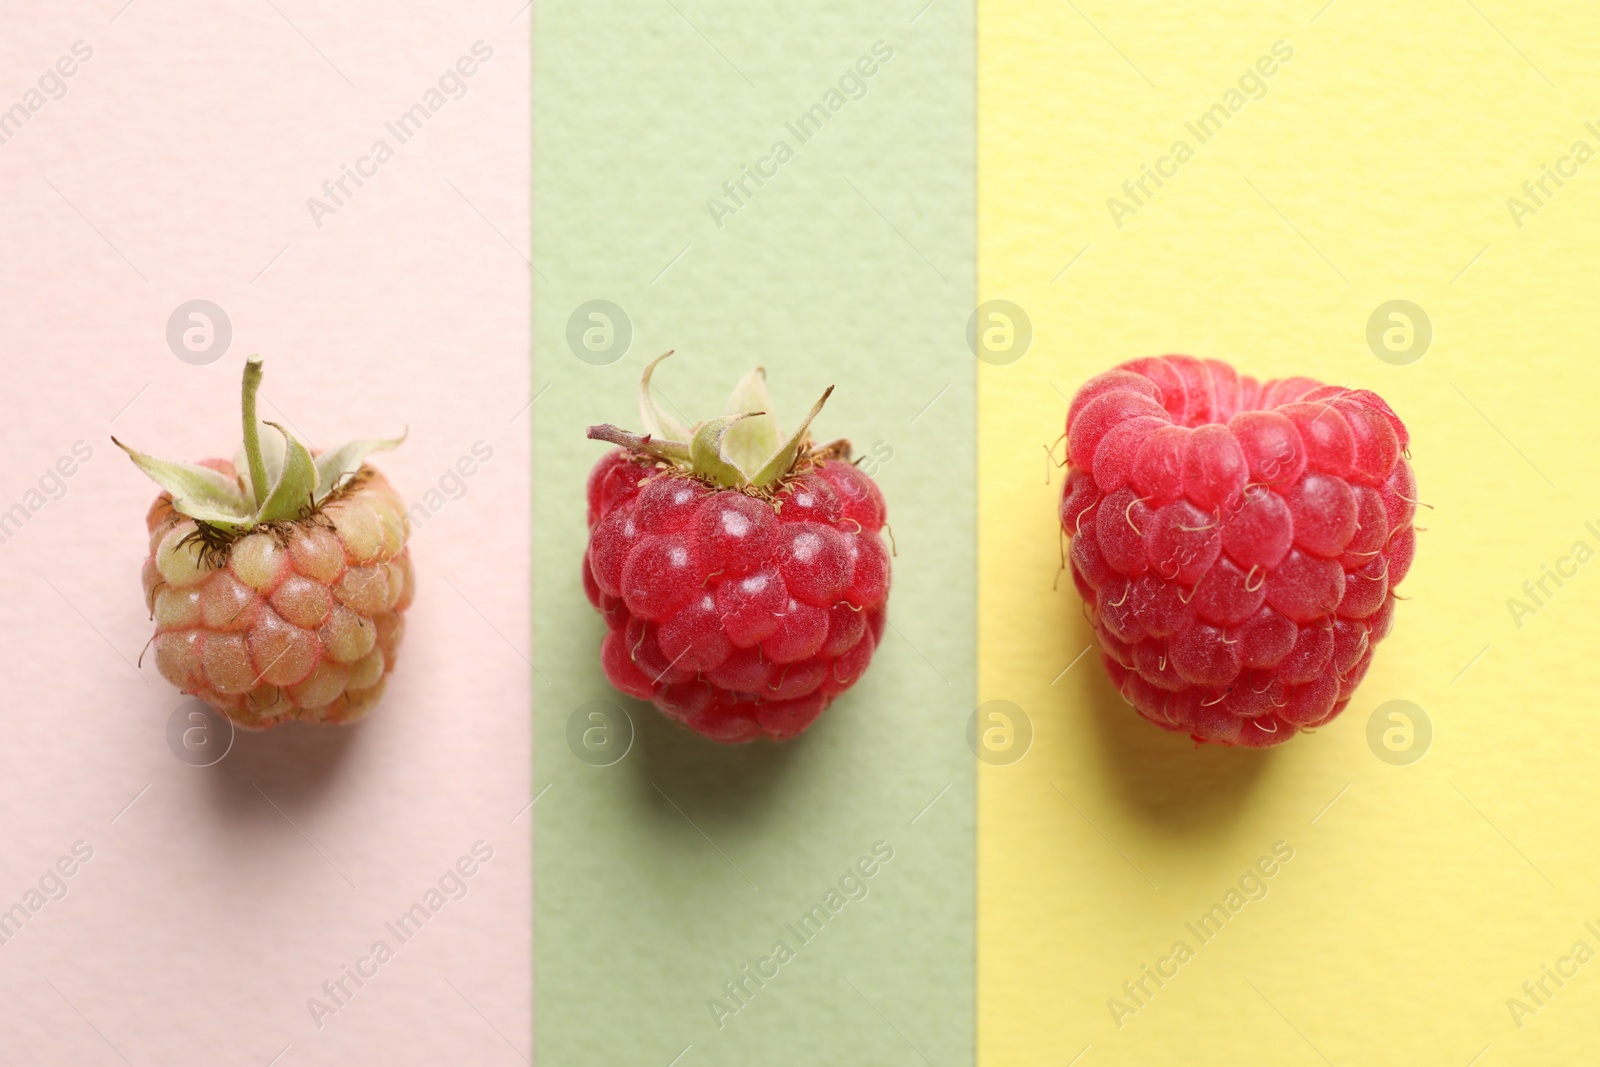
{"x":717,"y":785}
{"x":1165,"y":779}
{"x":293,"y":762}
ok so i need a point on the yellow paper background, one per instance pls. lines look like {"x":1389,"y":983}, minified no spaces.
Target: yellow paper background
{"x":1377,"y":166}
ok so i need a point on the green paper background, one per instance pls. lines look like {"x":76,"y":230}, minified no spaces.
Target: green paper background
{"x":659,"y":877}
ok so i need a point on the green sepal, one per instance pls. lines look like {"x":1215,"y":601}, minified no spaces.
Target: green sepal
{"x":779,"y":463}
{"x":235,"y":506}
{"x":722,"y":450}
{"x":657,"y":423}
{"x":705,"y":451}
{"x":337,"y":464}
{"x":198,"y":492}
{"x":294,"y":491}
{"x":749,"y":443}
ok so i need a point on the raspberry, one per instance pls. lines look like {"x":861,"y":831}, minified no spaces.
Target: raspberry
{"x":740,"y":604}
{"x":282,"y":603}
{"x":1237,"y":543}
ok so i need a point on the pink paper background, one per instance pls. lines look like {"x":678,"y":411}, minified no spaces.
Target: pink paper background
{"x":176,"y":167}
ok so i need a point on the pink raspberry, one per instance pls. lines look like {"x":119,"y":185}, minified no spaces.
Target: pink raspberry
{"x":742,"y":578}
{"x":1238,"y":543}
{"x":278,"y":582}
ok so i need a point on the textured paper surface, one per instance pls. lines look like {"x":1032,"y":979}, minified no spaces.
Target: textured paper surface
{"x":1376,"y":166}
{"x":218,"y":900}
{"x":663,"y":875}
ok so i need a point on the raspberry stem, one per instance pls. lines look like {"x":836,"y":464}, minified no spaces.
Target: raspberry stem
{"x":252,"y":432}
{"x":672,"y":451}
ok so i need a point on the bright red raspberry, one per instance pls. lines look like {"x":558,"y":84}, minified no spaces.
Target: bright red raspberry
{"x":742,"y":576}
{"x":1238,"y":543}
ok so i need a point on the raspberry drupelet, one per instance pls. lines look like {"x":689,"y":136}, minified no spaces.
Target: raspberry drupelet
{"x":742,"y":576}
{"x":1237,"y":543}
{"x":282,"y":603}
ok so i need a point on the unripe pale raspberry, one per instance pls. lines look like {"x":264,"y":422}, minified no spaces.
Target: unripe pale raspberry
{"x":743,"y":577}
{"x":282,"y":605}
{"x":1237,"y":543}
